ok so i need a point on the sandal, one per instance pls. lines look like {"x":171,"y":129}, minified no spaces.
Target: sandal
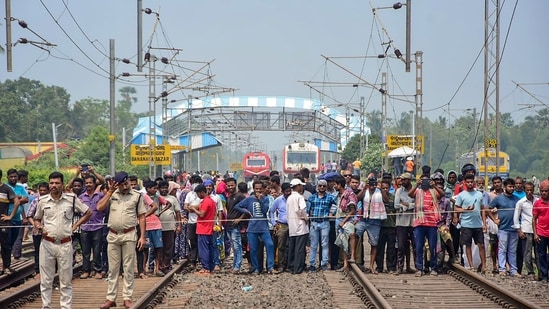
{"x":143,"y":276}
{"x":202,"y":272}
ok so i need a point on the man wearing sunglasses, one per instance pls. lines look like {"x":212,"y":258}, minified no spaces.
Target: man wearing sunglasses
{"x":347,"y":174}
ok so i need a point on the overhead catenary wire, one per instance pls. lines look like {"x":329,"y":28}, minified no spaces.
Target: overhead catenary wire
{"x":447,"y":105}
{"x":497,"y":64}
{"x":71,"y":39}
{"x":102,"y":52}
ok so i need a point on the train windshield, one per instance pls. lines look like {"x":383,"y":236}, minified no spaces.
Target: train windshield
{"x":492,"y":161}
{"x":302,"y":157}
{"x":256,"y":162}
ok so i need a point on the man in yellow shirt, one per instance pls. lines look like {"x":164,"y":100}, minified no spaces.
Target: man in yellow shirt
{"x":356,"y":166}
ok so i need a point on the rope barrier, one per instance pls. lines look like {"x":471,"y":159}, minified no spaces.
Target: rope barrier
{"x":289,"y":217}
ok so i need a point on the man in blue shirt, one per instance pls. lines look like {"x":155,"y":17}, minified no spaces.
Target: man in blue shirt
{"x":16,"y":233}
{"x":468,"y":206}
{"x":318,"y":208}
{"x":7,"y":197}
{"x":256,"y":207}
{"x":519,"y":188}
{"x":279,"y":219}
{"x":504,"y":206}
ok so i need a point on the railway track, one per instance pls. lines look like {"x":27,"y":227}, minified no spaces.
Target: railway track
{"x":90,"y":293}
{"x":458,"y":287}
{"x":23,"y":268}
{"x":355,"y":289}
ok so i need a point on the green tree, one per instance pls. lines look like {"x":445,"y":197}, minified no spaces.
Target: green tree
{"x":95,"y":149}
{"x":506,"y":120}
{"x":87,"y":114}
{"x":372,"y":159}
{"x":32,"y":107}
{"x":403,"y":125}
{"x":125,"y":118}
{"x":540,"y":120}
{"x":373,"y":121}
{"x":352,"y":148}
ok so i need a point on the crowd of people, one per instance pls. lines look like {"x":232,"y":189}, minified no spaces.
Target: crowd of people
{"x":139,"y":229}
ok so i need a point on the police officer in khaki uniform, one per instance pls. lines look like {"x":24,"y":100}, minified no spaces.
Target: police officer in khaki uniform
{"x":54,"y":215}
{"x":126,"y":207}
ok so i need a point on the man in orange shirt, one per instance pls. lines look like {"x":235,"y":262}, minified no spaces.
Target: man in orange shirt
{"x":409,"y":165}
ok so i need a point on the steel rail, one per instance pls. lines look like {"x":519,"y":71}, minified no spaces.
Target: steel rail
{"x":371,"y":291}
{"x":507,"y":296}
{"x":146,"y":300}
{"x":29,"y":293}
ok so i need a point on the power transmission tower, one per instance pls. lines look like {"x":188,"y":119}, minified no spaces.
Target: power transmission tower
{"x":492,"y":14}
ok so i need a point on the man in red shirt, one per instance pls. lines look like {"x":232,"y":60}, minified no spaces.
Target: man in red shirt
{"x":467,"y":169}
{"x":540,"y":223}
{"x":204,"y":229}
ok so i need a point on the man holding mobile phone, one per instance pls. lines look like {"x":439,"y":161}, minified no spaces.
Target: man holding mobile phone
{"x":426,"y":217}
{"x":85,"y":170}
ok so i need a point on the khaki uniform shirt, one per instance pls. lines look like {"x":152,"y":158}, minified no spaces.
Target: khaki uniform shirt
{"x":124,"y":209}
{"x":57,"y":215}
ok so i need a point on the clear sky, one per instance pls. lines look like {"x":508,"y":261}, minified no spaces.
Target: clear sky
{"x":266,"y":47}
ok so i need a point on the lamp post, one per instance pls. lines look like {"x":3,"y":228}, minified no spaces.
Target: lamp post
{"x":398,"y":53}
{"x":189,"y":136}
{"x":384,"y":121}
{"x":362,"y":127}
{"x":152,"y":76}
{"x":413,"y":131}
{"x":54,"y":133}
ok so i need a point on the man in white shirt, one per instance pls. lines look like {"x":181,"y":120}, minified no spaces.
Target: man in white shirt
{"x":298,"y":227}
{"x":522,"y":221}
{"x":192,"y":201}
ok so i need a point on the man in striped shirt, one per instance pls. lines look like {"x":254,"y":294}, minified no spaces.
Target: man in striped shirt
{"x":426,"y":217}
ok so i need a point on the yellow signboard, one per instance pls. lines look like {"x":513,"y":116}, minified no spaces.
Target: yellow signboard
{"x":142,"y":155}
{"x":490,"y":143}
{"x":397,"y":141}
{"x":235,"y":166}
